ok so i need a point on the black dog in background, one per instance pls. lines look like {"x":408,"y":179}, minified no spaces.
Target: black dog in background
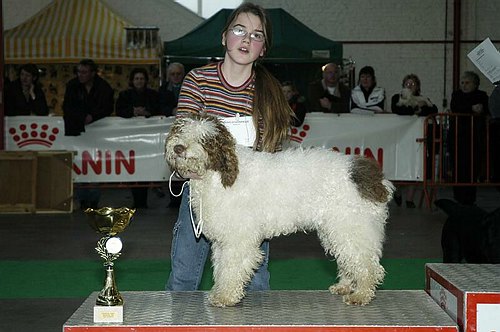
{"x":470,"y":234}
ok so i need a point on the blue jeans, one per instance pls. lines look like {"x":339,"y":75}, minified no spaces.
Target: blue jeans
{"x":189,"y":254}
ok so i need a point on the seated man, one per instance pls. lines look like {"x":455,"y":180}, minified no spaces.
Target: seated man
{"x":329,"y":95}
{"x":87,"y":98}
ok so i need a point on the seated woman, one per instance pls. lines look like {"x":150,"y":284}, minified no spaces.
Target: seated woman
{"x":24,"y":96}
{"x":296,"y":102}
{"x":138,"y":100}
{"x":367,"y":97}
{"x":410,"y":102}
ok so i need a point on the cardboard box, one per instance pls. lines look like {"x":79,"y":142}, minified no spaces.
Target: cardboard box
{"x":36,"y":182}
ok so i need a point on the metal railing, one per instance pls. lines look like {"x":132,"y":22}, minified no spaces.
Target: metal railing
{"x":458,"y":151}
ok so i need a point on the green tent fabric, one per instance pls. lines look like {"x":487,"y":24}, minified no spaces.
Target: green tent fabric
{"x":293,"y":42}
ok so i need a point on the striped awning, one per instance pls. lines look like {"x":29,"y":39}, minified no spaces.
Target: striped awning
{"x":67,"y":31}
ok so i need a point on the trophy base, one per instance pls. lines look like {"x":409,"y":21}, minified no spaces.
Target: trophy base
{"x":108,"y":314}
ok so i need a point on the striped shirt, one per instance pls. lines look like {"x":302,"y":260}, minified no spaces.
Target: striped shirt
{"x":205,"y":90}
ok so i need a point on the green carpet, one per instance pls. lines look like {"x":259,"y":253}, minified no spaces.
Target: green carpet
{"x":78,"y":278}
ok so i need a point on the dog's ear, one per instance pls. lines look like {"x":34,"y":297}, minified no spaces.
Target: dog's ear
{"x":222,"y":155}
{"x":456,"y":211}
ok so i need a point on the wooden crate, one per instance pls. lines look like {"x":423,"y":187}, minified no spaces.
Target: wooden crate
{"x":36,"y":182}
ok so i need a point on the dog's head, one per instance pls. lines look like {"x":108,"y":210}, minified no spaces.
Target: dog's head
{"x":407,"y":98}
{"x":406,"y":94}
{"x":199,"y":143}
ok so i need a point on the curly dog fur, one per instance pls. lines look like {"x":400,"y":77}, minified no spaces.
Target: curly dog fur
{"x":244,"y":197}
{"x":408,"y":99}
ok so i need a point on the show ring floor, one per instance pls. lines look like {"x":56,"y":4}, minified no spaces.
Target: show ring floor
{"x":62,"y":239}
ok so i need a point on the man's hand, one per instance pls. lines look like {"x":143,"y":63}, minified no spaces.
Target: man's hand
{"x":192,"y":175}
{"x":325,"y":103}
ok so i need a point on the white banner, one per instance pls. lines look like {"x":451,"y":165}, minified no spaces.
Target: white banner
{"x":115,"y":149}
{"x":388,"y":138}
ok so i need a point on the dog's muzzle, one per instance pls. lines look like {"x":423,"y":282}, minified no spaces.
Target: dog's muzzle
{"x":183,"y":167}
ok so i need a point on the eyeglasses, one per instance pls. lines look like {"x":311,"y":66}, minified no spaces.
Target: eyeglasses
{"x":242,"y":33}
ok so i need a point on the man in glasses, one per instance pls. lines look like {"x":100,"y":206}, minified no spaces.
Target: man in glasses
{"x":88,"y":98}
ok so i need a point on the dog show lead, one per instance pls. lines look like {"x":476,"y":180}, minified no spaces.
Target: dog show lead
{"x":240,"y":89}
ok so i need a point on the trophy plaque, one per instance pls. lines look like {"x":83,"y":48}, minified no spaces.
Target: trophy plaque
{"x":109,"y":222}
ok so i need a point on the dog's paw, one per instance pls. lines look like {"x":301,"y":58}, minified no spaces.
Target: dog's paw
{"x":219,"y":300}
{"x":340,"y":289}
{"x":358,"y":298}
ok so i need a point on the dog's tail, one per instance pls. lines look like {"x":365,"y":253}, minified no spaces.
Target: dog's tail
{"x":370,"y":181}
{"x":389,"y":186}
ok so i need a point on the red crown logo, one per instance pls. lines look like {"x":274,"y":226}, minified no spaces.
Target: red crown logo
{"x":299,"y":133}
{"x":34,"y":134}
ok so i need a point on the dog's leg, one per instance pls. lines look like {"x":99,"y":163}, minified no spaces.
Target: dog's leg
{"x":345,"y":285}
{"x":234,"y":265}
{"x":357,"y":258}
{"x":366,"y":280}
{"x":450,"y":242}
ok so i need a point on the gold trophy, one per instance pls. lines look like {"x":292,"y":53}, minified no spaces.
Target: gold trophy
{"x":109,"y":222}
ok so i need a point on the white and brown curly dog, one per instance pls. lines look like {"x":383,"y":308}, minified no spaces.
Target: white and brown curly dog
{"x":243,"y":197}
{"x":407,"y":98}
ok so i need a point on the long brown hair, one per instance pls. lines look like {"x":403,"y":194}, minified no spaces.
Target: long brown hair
{"x":270,"y":107}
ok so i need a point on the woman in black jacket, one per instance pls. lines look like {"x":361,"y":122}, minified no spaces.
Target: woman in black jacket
{"x":296,"y":102}
{"x":138,"y":100}
{"x":24,"y":96}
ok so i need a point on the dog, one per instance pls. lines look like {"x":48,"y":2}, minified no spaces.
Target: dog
{"x":470,"y":234}
{"x":407,"y":98}
{"x":242,"y":197}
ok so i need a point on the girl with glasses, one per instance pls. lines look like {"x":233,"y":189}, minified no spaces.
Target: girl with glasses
{"x":237,"y":86}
